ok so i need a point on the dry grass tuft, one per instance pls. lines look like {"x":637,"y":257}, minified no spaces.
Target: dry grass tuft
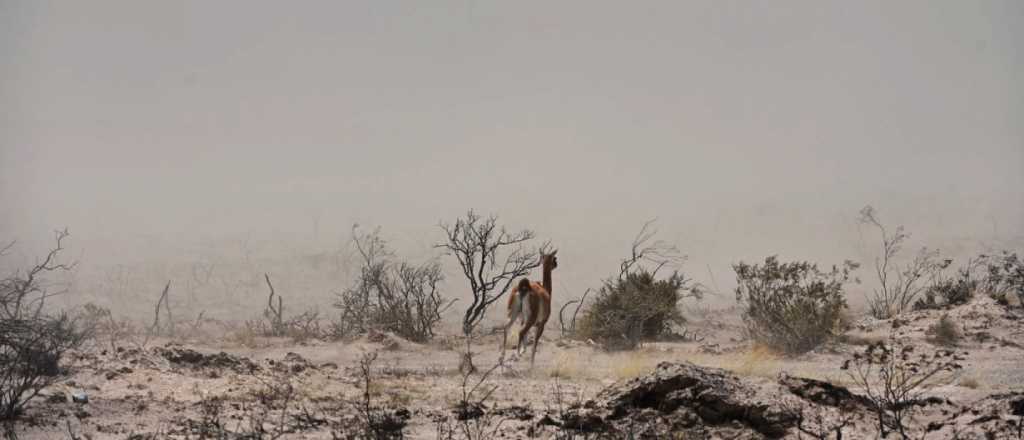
{"x":945,"y":332}
{"x":630,"y":365}
{"x":970,"y":382}
{"x":568,"y":365}
{"x":758,"y":361}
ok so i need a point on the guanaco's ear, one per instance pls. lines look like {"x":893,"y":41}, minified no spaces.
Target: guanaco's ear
{"x":554,"y":252}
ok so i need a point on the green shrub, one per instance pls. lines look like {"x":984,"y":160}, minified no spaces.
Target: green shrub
{"x":637,"y":307}
{"x":791,"y":307}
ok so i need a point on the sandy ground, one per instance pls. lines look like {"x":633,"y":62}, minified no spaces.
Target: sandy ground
{"x":136,"y":391}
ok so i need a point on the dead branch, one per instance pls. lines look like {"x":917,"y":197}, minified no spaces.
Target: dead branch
{"x":275,"y":316}
{"x":656,"y":252}
{"x":160,"y":302}
{"x":476,"y":243}
{"x":23,"y":296}
{"x":571,"y":328}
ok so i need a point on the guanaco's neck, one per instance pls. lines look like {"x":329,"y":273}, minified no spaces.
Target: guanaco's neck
{"x":547,"y":278}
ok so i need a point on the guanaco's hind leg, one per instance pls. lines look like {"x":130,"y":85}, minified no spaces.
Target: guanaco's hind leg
{"x":513,"y":315}
{"x":540,"y":331}
{"x":524,"y":332}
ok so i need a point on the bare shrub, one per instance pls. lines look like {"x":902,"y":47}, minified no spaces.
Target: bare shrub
{"x":473,"y":419}
{"x":32,"y":341}
{"x":791,"y":307}
{"x":817,"y":422}
{"x":637,"y":305}
{"x":266,"y":413}
{"x":100,"y":322}
{"x":899,"y":286}
{"x":274,"y":322}
{"x":893,"y":377}
{"x":476,"y":243}
{"x":375,"y":422}
{"x":944,"y":332}
{"x":389,"y":295}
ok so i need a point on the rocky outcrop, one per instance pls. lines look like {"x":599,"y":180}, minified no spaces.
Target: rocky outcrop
{"x":996,"y":416}
{"x":683,"y":396}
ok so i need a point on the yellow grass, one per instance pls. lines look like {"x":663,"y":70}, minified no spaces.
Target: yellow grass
{"x":632,"y":364}
{"x":567,"y":364}
{"x":970,"y":382}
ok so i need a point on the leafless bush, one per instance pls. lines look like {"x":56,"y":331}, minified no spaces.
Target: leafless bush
{"x":816,"y":422}
{"x":893,"y":377}
{"x":211,"y":424}
{"x":899,"y":287}
{"x":637,"y":305}
{"x":100,"y":322}
{"x":274,"y":322}
{"x":473,"y":420}
{"x":375,"y":422}
{"x":390,"y":296}
{"x":266,"y":413}
{"x":476,"y":243}
{"x":792,"y":307}
{"x":32,"y":341}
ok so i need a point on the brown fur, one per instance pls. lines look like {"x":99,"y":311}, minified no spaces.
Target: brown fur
{"x":533,"y":301}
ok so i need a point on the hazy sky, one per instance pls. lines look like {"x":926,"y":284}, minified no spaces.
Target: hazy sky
{"x":747,"y":128}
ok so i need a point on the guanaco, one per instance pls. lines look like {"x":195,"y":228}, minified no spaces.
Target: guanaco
{"x":532,"y":302}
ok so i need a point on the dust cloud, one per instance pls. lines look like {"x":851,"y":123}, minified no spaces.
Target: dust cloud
{"x":250,"y":136}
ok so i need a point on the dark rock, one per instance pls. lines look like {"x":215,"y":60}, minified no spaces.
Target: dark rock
{"x":1017,"y":405}
{"x":520,"y":413}
{"x":293,"y":363}
{"x":681,"y":393}
{"x":823,"y":393}
{"x":393,"y":421}
{"x":468,"y":410}
{"x":185,"y":357}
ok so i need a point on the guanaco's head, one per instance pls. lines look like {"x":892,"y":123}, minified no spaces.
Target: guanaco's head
{"x":549,"y":260}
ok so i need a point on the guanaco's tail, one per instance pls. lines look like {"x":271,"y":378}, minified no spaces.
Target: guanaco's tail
{"x":524,"y":286}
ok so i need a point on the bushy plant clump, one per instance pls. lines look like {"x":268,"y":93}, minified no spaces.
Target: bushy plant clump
{"x":791,"y":307}
{"x":636,"y":307}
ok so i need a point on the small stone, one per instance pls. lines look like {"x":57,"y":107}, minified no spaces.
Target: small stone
{"x":79,"y":397}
